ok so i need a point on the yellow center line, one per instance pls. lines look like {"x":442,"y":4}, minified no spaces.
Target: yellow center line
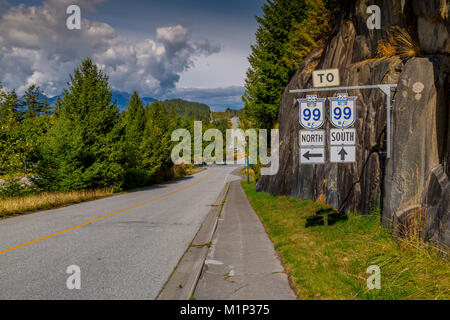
{"x":106,"y":216}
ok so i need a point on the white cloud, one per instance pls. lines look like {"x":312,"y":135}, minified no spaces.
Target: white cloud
{"x":36,"y":47}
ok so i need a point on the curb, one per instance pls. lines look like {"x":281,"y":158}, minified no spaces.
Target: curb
{"x":183,"y":280}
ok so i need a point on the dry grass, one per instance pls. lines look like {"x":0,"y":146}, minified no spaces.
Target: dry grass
{"x":195,"y":170}
{"x":179,"y":170}
{"x":406,"y":46}
{"x":47,"y":200}
{"x":402,"y":43}
{"x":182,"y":170}
{"x":385,"y":50}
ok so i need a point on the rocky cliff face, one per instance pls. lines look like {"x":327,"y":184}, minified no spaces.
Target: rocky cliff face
{"x":413,"y":184}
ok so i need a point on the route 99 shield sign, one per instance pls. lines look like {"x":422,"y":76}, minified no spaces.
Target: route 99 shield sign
{"x":312,"y":112}
{"x":342,"y":110}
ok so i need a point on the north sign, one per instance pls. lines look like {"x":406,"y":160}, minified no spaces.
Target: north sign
{"x":312,"y":138}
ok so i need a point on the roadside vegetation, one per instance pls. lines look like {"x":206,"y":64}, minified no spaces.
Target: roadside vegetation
{"x":328,"y":258}
{"x":48,"y":200}
{"x":52,"y":155}
{"x":18,"y":199}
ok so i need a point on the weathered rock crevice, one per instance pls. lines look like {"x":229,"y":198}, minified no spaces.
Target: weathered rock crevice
{"x":414,"y":181}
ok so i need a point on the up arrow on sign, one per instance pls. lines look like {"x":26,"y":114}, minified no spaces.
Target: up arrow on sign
{"x":326,"y":78}
{"x":342,"y":153}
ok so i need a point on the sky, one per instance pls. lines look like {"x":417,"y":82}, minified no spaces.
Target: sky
{"x":192,"y":49}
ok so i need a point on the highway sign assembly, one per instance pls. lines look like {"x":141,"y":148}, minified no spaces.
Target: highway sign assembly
{"x":385,"y":88}
{"x":312,"y":112}
{"x":342,"y":154}
{"x":342,"y":110}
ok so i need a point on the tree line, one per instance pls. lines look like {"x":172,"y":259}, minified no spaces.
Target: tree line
{"x":288,"y":31}
{"x":84,"y":142}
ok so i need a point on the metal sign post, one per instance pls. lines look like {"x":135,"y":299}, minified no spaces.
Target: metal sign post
{"x":386,"y":88}
{"x":247,"y":160}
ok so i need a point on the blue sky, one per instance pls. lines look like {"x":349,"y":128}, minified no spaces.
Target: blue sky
{"x":196,"y":49}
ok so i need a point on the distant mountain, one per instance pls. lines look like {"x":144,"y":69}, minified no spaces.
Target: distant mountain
{"x":188,"y":109}
{"x":185,"y":109}
{"x":123,"y":97}
{"x":119,"y":96}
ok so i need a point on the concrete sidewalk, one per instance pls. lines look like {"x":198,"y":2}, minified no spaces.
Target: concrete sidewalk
{"x":242,"y":263}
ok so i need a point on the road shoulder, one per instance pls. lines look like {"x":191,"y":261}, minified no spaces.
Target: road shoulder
{"x":242,"y":262}
{"x":181,"y":283}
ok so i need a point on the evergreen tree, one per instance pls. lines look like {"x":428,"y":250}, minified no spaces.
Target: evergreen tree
{"x":36,"y":102}
{"x":15,"y":150}
{"x":157,"y":145}
{"x":286,"y":27}
{"x":10,"y":108}
{"x":134,"y":117}
{"x":133,"y":126}
{"x":83,"y":149}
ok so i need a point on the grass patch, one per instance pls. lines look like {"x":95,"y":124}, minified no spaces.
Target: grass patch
{"x":48,"y":200}
{"x":223,"y":203}
{"x":330,"y":261}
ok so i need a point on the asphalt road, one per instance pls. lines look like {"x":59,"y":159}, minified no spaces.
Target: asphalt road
{"x":126,"y":253}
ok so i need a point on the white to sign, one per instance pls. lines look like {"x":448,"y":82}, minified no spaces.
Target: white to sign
{"x":339,"y":154}
{"x":326,"y":78}
{"x":342,"y":137}
{"x":312,"y":155}
{"x":312,"y":112}
{"x":342,"y":110}
{"x":312,"y":138}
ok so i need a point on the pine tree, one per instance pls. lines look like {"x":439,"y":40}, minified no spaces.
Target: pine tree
{"x":10,"y":108}
{"x":134,"y":117}
{"x":286,"y":27}
{"x":15,"y":150}
{"x":157,"y":145}
{"x":36,"y":102}
{"x":133,"y":125}
{"x":83,"y":151}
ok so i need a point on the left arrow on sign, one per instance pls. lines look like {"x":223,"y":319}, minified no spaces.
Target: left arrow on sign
{"x":308,"y":155}
{"x":312,"y":155}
